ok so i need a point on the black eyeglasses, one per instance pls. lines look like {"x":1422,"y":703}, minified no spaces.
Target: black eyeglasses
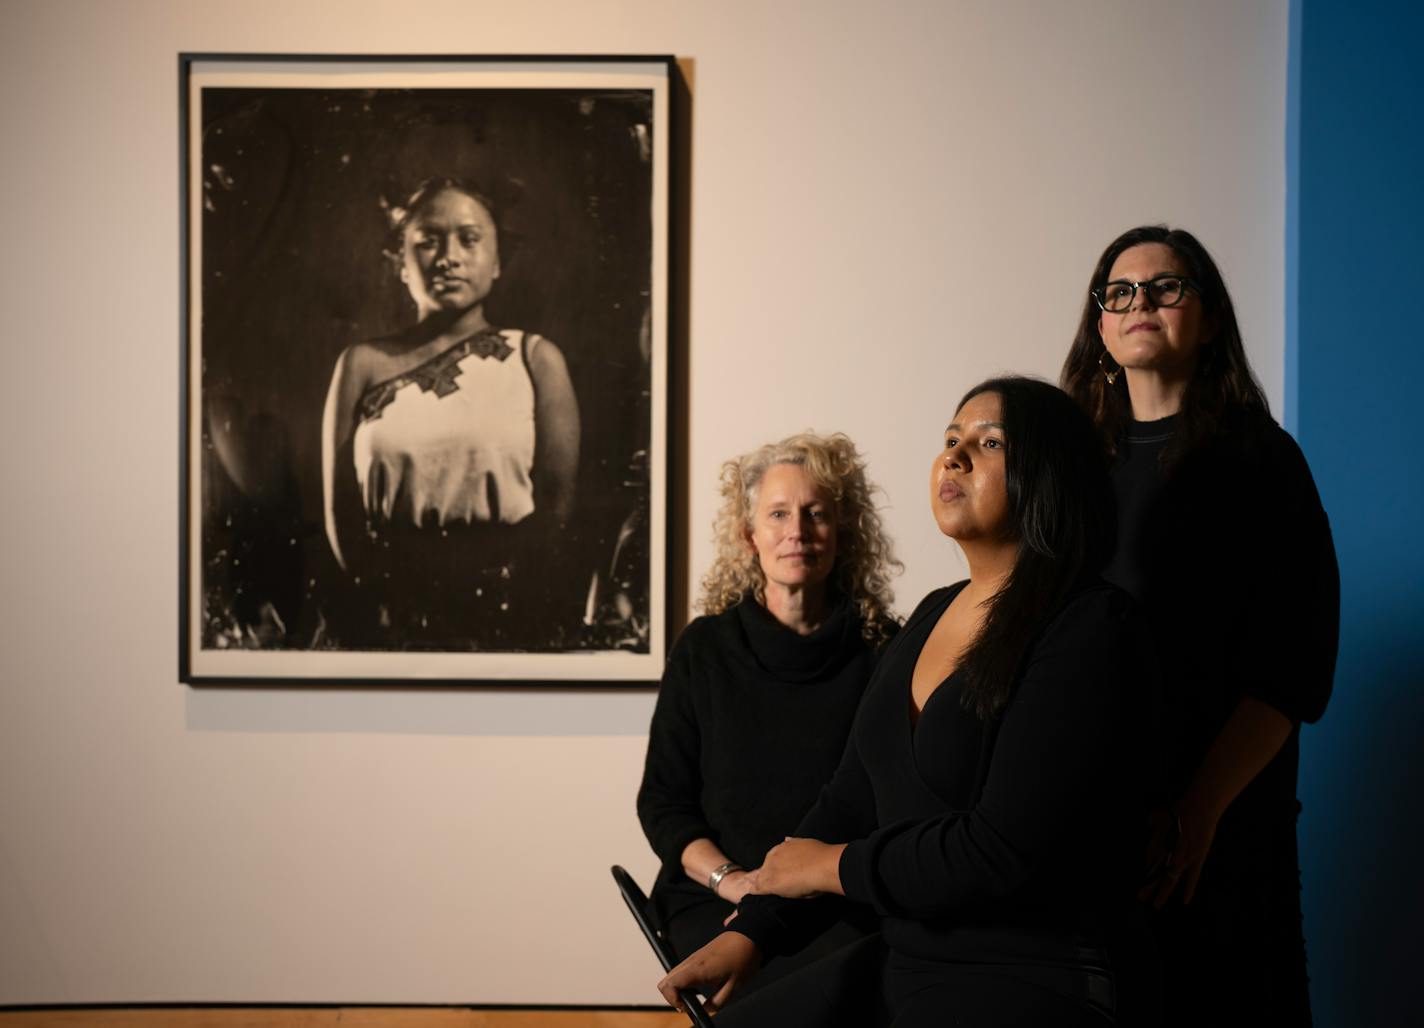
{"x":1162,"y":291}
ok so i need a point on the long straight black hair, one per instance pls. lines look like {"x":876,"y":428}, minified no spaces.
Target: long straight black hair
{"x":1064,"y":519}
{"x":1222,"y":383}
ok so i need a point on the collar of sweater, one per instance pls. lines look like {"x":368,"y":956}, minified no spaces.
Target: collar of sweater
{"x":799,"y":658}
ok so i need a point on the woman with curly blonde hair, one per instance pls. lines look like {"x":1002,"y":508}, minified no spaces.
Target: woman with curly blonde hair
{"x":865,"y":558}
{"x":761,"y":690}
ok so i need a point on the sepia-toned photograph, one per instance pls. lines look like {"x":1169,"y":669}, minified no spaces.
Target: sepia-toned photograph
{"x":425,"y":369}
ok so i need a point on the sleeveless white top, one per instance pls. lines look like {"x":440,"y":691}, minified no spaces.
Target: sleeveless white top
{"x":454,"y":436}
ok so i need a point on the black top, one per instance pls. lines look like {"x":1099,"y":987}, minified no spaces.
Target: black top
{"x":1137,"y":481}
{"x":1230,"y":552}
{"x":1011,"y":840}
{"x":750,"y":721}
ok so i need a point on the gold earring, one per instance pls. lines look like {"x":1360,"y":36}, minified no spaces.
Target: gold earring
{"x":1111,"y":376}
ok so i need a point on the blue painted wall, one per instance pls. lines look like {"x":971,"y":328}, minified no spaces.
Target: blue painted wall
{"x":1355,"y":402}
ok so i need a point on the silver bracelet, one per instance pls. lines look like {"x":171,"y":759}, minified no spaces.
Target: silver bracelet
{"x":715,"y":878}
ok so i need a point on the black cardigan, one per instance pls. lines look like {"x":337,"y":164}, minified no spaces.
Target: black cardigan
{"x":1012,"y":840}
{"x":750,"y":721}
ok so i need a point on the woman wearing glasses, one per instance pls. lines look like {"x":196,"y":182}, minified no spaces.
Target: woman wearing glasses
{"x":1223,"y":539}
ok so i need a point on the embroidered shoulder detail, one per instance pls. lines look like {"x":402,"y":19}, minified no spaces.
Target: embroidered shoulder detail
{"x":437,"y":375}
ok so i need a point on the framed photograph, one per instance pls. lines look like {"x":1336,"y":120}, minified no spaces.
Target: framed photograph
{"x":424,"y":369}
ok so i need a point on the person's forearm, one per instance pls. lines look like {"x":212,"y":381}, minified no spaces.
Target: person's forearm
{"x":829,"y":878}
{"x":1251,"y":737}
{"x":557,"y":431}
{"x":700,"y":858}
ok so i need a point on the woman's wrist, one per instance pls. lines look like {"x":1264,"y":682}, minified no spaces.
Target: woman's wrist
{"x":734,"y":886}
{"x":1203,"y":800}
{"x":720,"y":873}
{"x":831,"y":870}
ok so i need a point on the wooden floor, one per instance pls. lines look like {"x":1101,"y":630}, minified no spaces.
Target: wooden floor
{"x":338,"y":1017}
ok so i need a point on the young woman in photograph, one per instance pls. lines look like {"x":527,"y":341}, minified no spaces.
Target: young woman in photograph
{"x":989,"y":803}
{"x":449,"y":449}
{"x":1223,"y":539}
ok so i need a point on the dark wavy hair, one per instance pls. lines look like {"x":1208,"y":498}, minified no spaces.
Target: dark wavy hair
{"x":1064,"y":520}
{"x":400,"y":215}
{"x":1222,"y":383}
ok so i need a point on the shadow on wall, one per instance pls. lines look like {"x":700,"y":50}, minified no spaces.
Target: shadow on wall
{"x":1361,"y":834}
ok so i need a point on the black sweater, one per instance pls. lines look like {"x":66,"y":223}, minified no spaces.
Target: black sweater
{"x":1006,"y":841}
{"x":750,"y":721}
{"x":1230,"y":553}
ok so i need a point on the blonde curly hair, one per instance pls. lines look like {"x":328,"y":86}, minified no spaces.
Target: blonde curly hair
{"x":865,"y":557}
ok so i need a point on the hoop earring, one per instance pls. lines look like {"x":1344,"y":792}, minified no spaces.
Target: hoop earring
{"x":1110,"y":375}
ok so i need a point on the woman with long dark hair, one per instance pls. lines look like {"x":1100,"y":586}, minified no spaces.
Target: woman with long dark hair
{"x":1223,"y":539}
{"x":449,"y":449}
{"x":988,"y":801}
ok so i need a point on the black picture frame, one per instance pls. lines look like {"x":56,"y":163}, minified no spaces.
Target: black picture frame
{"x":295,"y":172}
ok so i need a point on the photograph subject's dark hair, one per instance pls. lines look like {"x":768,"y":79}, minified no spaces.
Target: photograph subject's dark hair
{"x":1222,"y":382}
{"x":1064,"y":521}
{"x":400,"y":215}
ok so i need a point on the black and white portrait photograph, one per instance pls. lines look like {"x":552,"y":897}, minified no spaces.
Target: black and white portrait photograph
{"x":425,"y":356}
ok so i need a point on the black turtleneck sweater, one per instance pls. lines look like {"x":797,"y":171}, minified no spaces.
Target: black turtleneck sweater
{"x":750,"y":722}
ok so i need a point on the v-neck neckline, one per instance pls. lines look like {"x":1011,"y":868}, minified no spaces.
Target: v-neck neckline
{"x":914,"y":715}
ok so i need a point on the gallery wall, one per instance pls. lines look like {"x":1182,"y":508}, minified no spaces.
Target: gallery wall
{"x":889,"y":203}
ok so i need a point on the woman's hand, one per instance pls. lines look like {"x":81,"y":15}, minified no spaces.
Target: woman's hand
{"x":799,"y":869}
{"x":701,"y":857}
{"x":1179,"y":848}
{"x":723,"y":964}
{"x":1250,"y":739}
